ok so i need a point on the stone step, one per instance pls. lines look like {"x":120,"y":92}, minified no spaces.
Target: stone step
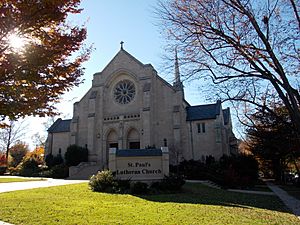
{"x":205,"y":182}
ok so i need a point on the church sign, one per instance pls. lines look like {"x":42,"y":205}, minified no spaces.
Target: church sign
{"x":139,"y":164}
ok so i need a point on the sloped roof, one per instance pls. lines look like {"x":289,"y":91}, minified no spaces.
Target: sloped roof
{"x":60,"y":126}
{"x":203,"y":112}
{"x":226,"y":115}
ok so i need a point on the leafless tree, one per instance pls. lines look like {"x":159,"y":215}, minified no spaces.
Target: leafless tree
{"x":250,"y":49}
{"x":40,"y":138}
{"x":10,"y":134}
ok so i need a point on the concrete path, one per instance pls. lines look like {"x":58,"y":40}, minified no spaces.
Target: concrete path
{"x":3,"y":223}
{"x":49,"y":182}
{"x":291,"y":202}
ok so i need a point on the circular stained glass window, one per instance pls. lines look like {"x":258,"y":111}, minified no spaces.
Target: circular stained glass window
{"x":124,"y":92}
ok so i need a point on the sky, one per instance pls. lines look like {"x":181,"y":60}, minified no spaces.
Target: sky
{"x":108,"y":23}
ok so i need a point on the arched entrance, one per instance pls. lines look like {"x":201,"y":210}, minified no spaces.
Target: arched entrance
{"x":111,"y":142}
{"x":112,"y":139}
{"x":133,"y":139}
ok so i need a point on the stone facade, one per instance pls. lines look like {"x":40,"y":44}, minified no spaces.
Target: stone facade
{"x":129,"y":106}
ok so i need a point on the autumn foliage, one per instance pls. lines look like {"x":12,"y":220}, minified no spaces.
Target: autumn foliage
{"x":2,"y":159}
{"x":33,"y":78}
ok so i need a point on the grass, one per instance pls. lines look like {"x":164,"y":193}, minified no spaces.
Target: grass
{"x":17,"y":179}
{"x":198,"y":204}
{"x":292,"y":190}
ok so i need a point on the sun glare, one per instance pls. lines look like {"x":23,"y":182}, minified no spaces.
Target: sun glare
{"x":16,"y":42}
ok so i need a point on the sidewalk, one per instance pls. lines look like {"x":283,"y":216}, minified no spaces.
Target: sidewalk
{"x":291,"y":202}
{"x":49,"y":182}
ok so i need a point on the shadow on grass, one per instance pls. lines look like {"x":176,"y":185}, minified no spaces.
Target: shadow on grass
{"x":200,"y":194}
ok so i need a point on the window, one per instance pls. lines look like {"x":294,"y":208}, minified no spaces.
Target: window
{"x":201,"y":127}
{"x":165,"y":142}
{"x":124,"y":92}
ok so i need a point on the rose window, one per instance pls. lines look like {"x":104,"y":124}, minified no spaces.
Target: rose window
{"x":124,"y":92}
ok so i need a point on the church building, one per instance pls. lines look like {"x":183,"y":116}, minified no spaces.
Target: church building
{"x":129,"y":106}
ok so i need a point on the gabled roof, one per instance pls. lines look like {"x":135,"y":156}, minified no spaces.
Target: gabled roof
{"x":121,"y":52}
{"x":203,"y":112}
{"x":226,"y":115}
{"x":60,"y":126}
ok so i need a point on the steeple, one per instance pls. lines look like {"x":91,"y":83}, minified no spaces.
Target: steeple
{"x":177,"y":84}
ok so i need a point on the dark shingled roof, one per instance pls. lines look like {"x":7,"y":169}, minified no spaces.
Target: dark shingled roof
{"x":226,"y":115}
{"x":60,"y":126}
{"x":138,"y":152}
{"x":203,"y":112}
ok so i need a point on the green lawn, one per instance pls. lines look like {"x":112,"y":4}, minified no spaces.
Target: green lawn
{"x":17,"y":179}
{"x":76,"y":204}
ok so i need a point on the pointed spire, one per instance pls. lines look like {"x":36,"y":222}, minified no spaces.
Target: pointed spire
{"x":177,"y":84}
{"x":177,"y":74}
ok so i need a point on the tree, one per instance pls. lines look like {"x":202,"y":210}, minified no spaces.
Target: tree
{"x":10,"y":134}
{"x":38,"y":153}
{"x":17,"y":152}
{"x":41,"y":55}
{"x":273,"y":139}
{"x":2,"y":159}
{"x":247,"y":48}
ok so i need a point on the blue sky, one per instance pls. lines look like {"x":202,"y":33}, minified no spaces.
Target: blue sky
{"x":108,"y":23}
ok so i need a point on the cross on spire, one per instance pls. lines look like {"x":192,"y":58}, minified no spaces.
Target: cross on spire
{"x":122,"y":42}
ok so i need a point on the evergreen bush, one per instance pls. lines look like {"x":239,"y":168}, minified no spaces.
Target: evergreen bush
{"x":140,"y":188}
{"x":75,"y":155}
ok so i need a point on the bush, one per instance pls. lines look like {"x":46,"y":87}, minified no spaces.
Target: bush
{"x":239,"y":171}
{"x":29,"y":167}
{"x":51,"y":160}
{"x":122,"y":186}
{"x":60,"y":171}
{"x":103,"y":181}
{"x":2,"y":170}
{"x":192,"y":170}
{"x":140,"y":188}
{"x":172,"y":182}
{"x":75,"y":155}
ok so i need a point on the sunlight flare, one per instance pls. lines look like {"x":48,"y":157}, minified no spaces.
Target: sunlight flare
{"x":16,"y":42}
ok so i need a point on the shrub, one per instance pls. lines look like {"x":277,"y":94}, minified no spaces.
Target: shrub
{"x":2,"y":170}
{"x":122,"y":186}
{"x":140,"y":188}
{"x":171,"y":183}
{"x":192,"y":170}
{"x":239,"y":171}
{"x":59,"y":171}
{"x":49,"y":160}
{"x":103,"y":181}
{"x":29,"y":167}
{"x":75,"y":155}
